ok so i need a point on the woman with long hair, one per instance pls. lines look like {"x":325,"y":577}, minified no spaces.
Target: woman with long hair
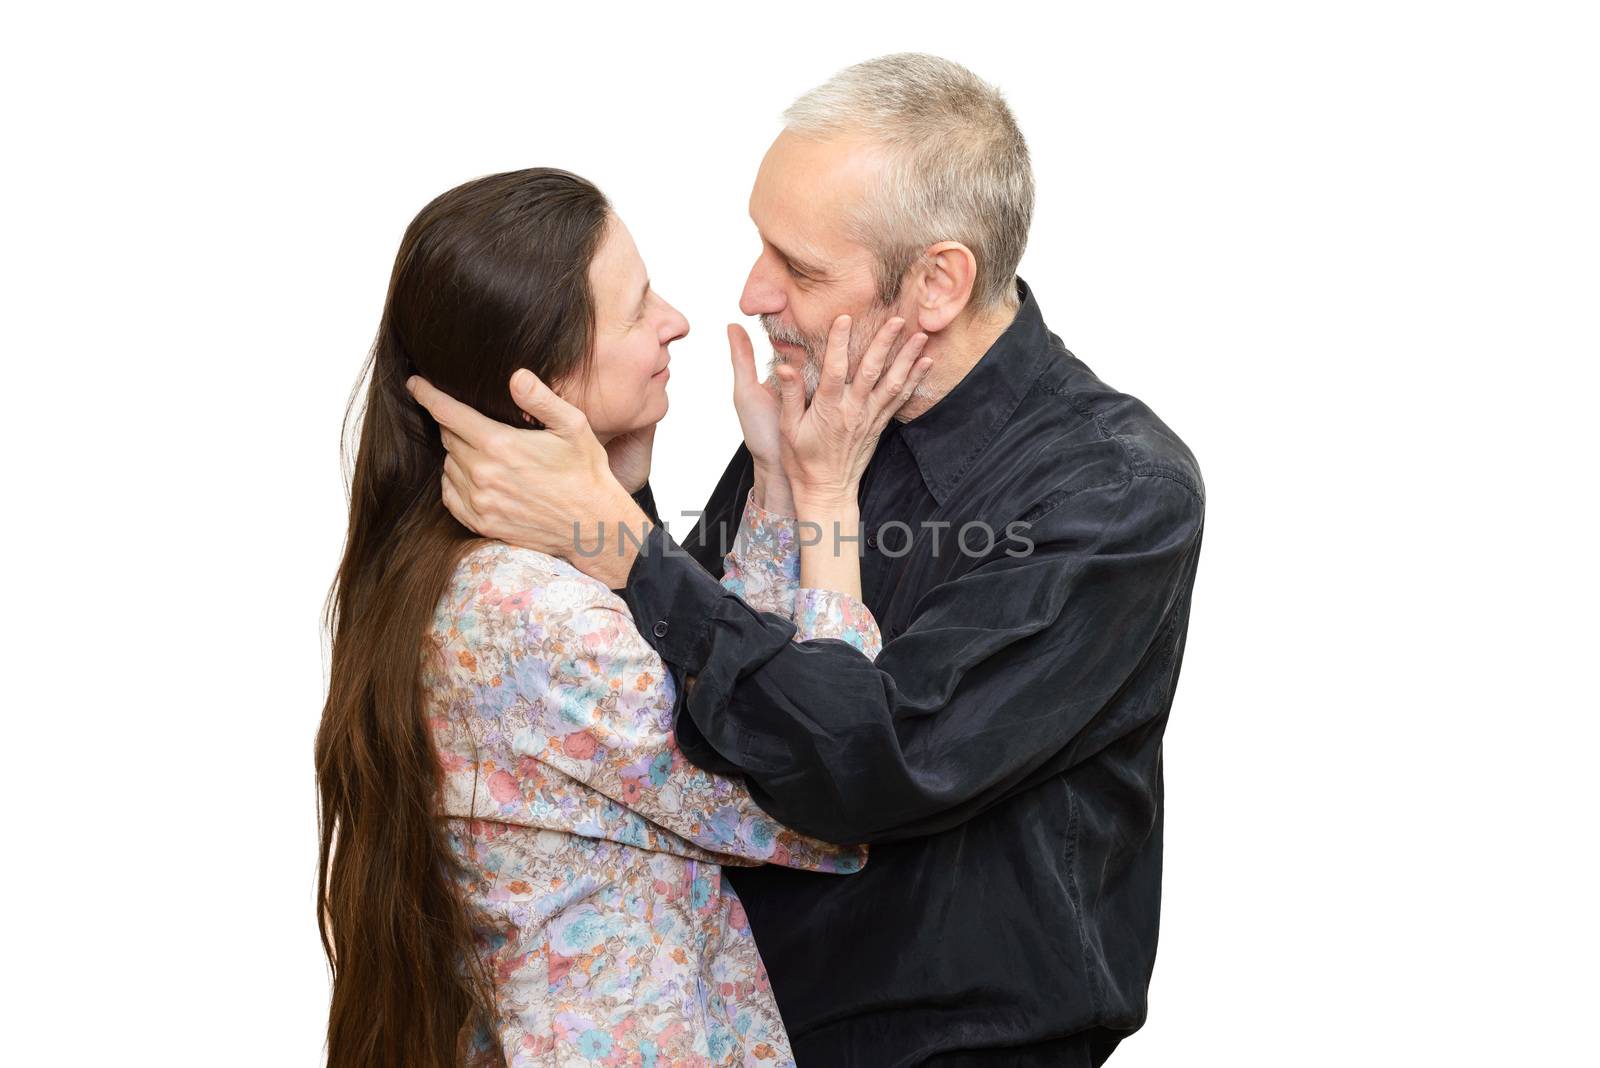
{"x":517,"y":865}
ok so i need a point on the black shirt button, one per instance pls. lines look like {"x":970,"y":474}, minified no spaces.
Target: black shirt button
{"x":872,"y":540}
{"x":660,"y":629}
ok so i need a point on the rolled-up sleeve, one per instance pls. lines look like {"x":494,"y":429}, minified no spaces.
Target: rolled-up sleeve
{"x":1000,"y":669}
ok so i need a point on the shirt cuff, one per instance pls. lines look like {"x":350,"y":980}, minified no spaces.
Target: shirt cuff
{"x":831,"y":614}
{"x":674,"y":601}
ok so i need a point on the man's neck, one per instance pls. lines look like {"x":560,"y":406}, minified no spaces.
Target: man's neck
{"x":956,"y":350}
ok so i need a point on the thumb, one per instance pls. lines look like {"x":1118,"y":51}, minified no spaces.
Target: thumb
{"x":541,"y":402}
{"x":743,"y":356}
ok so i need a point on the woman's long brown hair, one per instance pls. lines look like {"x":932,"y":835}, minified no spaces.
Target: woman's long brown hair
{"x":490,"y":277}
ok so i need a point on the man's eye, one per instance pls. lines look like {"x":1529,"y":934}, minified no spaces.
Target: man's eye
{"x":795,"y":272}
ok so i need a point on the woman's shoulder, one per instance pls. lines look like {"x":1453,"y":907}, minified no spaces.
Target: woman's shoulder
{"x":511,"y":620}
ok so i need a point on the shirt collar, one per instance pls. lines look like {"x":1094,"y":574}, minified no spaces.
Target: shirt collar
{"x":947,"y":438}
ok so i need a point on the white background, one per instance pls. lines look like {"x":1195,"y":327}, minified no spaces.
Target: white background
{"x":1349,"y":252}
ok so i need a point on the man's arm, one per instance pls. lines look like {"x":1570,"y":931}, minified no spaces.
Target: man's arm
{"x":1002,"y":670}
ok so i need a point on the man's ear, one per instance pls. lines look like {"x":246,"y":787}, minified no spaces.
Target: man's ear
{"x":941,"y":285}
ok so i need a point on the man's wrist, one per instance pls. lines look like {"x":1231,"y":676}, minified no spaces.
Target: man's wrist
{"x":608,"y":554}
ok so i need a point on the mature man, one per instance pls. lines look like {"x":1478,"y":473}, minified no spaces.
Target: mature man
{"x":1030,"y":542}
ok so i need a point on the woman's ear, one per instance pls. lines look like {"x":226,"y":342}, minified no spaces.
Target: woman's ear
{"x":942,"y":285}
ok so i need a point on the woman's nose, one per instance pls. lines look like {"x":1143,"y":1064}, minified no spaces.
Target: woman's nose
{"x":676,"y":326}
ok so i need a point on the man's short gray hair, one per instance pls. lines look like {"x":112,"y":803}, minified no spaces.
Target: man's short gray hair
{"x":956,"y":166}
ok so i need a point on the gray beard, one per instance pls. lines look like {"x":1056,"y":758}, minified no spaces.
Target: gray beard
{"x":811,"y":375}
{"x":811,"y":372}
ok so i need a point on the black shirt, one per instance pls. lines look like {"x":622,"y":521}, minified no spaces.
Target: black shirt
{"x":1029,"y":551}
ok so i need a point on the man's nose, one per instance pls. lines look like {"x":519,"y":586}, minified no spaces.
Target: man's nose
{"x":761,"y":296}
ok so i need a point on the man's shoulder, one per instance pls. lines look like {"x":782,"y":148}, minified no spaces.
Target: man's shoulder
{"x":1088,"y":433}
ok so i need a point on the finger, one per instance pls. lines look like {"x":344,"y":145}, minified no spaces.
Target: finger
{"x":919,"y":374}
{"x":743,"y":356}
{"x":781,"y":358}
{"x":467,"y":422}
{"x":458,"y":446}
{"x":454,"y":504}
{"x":871,"y":369}
{"x":458,"y":477}
{"x":792,"y":400}
{"x":894,"y":379}
{"x":542,"y":402}
{"x":835,"y":362}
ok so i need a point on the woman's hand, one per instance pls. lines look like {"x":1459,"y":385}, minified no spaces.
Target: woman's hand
{"x":759,"y":408}
{"x":629,"y":457}
{"x":825,"y":447}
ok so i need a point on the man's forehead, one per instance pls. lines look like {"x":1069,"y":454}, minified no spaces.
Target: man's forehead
{"x":807,"y":188}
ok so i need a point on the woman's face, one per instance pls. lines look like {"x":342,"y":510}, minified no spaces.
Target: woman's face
{"x":627,"y":381}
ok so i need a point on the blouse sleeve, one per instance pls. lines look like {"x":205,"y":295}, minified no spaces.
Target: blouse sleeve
{"x":602,"y":704}
{"x":763,"y":570}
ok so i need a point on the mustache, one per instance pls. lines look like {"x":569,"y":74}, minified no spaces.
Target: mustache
{"x":788,"y":335}
{"x":810,"y":370}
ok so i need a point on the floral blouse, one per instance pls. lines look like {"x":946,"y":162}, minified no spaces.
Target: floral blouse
{"x":588,"y":850}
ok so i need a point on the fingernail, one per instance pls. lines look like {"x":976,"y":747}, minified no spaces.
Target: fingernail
{"x":411,"y":384}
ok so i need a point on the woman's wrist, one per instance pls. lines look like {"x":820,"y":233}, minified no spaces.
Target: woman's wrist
{"x":828,"y":513}
{"x":830,"y":545}
{"x":823,"y":501}
{"x":772,"y":491}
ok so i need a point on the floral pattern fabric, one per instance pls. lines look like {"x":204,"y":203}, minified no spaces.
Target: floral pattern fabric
{"x":764,"y":570}
{"x":588,"y":850}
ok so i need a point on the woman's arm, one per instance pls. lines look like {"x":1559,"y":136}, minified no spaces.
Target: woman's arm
{"x":763,"y":567}
{"x":599,"y":705}
{"x":764,"y":570}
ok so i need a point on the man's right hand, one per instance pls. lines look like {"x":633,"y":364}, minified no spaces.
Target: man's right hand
{"x":540,"y":489}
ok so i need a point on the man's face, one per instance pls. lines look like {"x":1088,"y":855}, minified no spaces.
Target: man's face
{"x":811,"y":270}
